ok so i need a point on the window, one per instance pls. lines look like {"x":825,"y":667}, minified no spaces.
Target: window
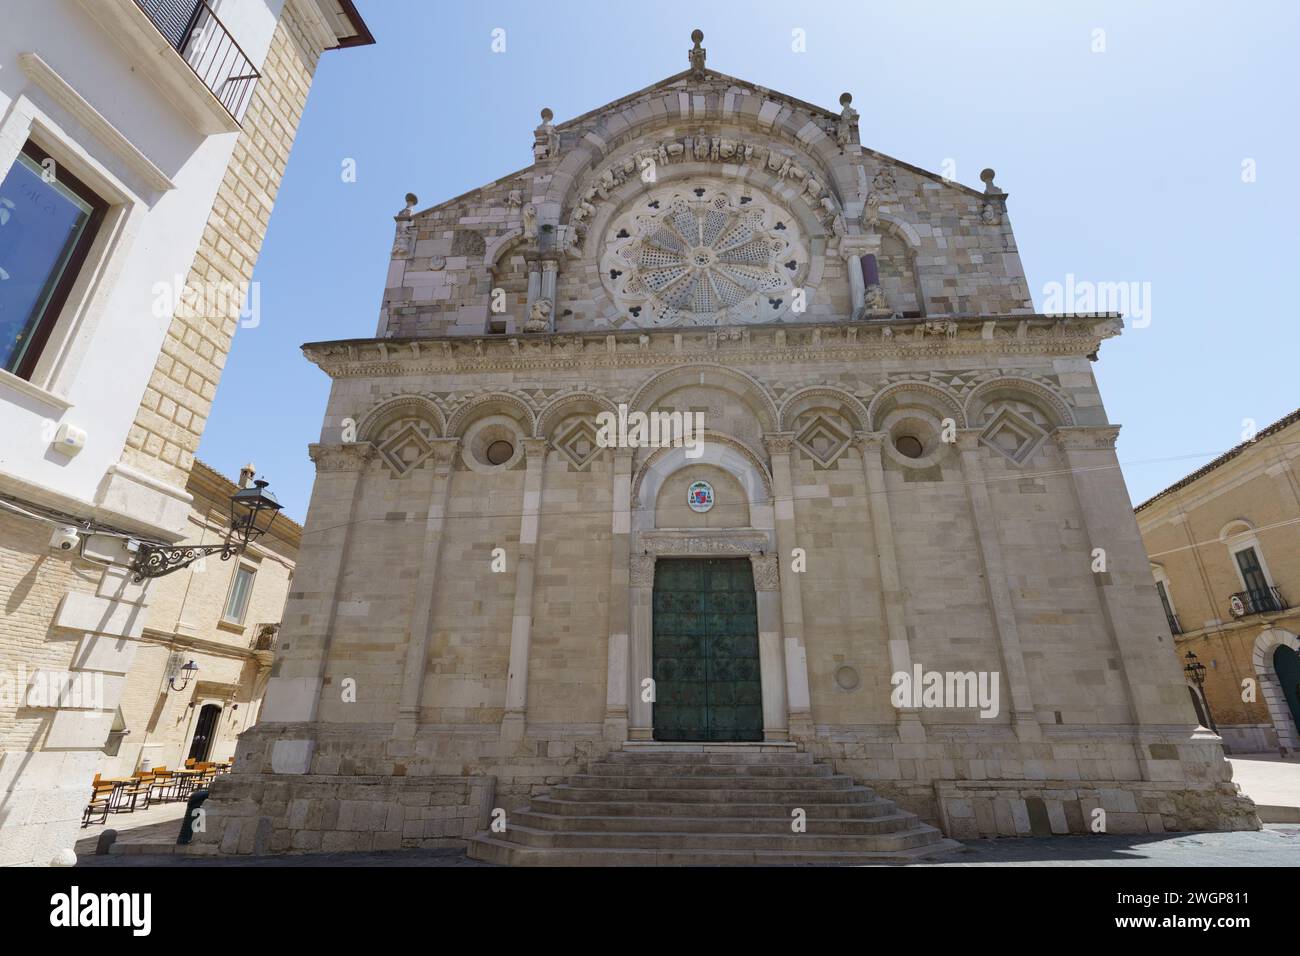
{"x":1252,"y":575}
{"x":48,"y":220}
{"x":240,"y":589}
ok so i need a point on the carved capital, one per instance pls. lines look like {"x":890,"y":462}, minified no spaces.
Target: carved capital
{"x":642,"y":571}
{"x":1086,"y":437}
{"x":345,"y":456}
{"x":869,"y":441}
{"x":779,"y":443}
{"x":444,"y":451}
{"x":767,"y":575}
{"x":535,"y":448}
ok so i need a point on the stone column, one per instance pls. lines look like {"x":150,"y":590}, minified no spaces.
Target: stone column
{"x":1023,"y":718}
{"x":772,"y":663}
{"x":798,"y":698}
{"x":417,"y":648}
{"x":534,"y":286}
{"x":910,"y":728}
{"x":293,"y":693}
{"x":857,"y":288}
{"x":549,"y":271}
{"x":512,"y":723}
{"x":1128,"y":597}
{"x":642,"y":579}
{"x":616,"y":666}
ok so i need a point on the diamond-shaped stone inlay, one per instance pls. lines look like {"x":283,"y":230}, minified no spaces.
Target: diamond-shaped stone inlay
{"x":823,"y":441}
{"x":405,"y":450}
{"x":578,"y":444}
{"x":1013,"y":435}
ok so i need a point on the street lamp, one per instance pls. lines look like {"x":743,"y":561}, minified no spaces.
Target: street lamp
{"x":252,"y":510}
{"x":187,"y":671}
{"x":1195,"y":672}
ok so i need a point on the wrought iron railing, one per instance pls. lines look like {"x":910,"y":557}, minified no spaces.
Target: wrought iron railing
{"x":1257,"y":601}
{"x":207,"y":47}
{"x":1174,"y":626}
{"x":264,"y":637}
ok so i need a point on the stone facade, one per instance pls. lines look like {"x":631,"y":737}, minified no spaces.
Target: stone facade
{"x":918,"y":466}
{"x":100,"y":88}
{"x":192,"y":617}
{"x":1203,"y":535}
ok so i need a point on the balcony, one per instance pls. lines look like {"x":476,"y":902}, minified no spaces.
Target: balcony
{"x":207,"y":48}
{"x":1174,"y":626}
{"x":187,"y":53}
{"x":1257,"y":601}
{"x":264,"y":637}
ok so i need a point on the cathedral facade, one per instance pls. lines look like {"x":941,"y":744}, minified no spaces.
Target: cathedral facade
{"x":882,"y":525}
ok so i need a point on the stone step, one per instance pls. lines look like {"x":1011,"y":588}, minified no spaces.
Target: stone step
{"x":865,"y":810}
{"x":916,"y":835}
{"x":725,"y":758}
{"x":790,"y":796}
{"x":491,"y":850}
{"x":704,"y":781}
{"x":649,"y":768}
{"x":778,"y":826}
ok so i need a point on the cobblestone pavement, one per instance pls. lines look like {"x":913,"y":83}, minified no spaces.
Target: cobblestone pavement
{"x":1272,"y":846}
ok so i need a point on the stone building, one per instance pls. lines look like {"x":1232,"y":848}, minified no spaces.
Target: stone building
{"x":142,"y":143}
{"x":904,"y":469}
{"x":1226,"y":560}
{"x":223,"y":617}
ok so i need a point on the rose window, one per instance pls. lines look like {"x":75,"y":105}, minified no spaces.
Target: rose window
{"x":703,"y":254}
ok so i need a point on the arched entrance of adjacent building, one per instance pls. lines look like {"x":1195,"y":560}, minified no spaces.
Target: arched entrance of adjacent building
{"x":205,"y":732}
{"x":1286,"y":663}
{"x":1276,"y":660}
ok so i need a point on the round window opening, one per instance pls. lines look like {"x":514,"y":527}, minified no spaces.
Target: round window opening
{"x":500,"y":452}
{"x":909,"y":446}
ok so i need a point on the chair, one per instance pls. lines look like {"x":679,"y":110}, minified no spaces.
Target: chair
{"x":101,"y":796}
{"x":141,"y":785}
{"x":163,"y":781}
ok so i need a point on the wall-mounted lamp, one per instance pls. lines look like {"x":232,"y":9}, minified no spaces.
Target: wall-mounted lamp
{"x":187,"y":672}
{"x":251,"y":512}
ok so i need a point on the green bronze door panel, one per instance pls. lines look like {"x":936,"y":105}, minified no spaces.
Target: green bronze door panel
{"x":706,"y":671}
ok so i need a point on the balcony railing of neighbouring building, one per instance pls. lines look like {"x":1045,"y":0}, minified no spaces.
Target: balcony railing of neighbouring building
{"x":264,"y":637}
{"x":204,"y":43}
{"x":1257,"y":601}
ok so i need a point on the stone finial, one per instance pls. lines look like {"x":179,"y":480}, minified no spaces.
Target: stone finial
{"x":846,"y":130}
{"x":987,"y":177}
{"x":696,"y":53}
{"x":545,"y":140}
{"x":411,"y":200}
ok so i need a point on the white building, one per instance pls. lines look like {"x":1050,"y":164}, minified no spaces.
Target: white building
{"x":141,"y":146}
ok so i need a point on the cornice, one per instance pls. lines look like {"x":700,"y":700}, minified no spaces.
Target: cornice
{"x":750,"y":344}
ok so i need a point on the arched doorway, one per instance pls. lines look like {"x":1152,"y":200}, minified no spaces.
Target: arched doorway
{"x":205,"y":732}
{"x":1276,"y":661}
{"x":706,"y":657}
{"x":1287,"y":664}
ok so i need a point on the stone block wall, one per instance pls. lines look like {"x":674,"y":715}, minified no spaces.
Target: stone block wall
{"x":260,"y":813}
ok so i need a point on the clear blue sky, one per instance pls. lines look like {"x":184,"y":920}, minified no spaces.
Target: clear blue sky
{"x":1124,"y":165}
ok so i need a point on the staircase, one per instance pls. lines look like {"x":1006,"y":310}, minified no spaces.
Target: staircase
{"x":708,"y":805}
